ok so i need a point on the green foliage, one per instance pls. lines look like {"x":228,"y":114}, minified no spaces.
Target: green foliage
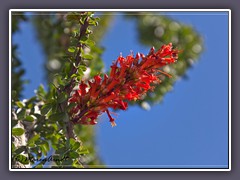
{"x":46,"y":114}
{"x":56,"y":43}
{"x":17,"y":131}
{"x":17,"y":70}
{"x":30,"y":118}
{"x":22,"y":159}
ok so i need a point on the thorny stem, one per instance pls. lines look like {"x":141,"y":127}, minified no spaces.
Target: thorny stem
{"x":78,"y":58}
{"x":68,"y":88}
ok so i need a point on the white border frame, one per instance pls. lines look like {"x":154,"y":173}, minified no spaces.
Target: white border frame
{"x":126,"y":10}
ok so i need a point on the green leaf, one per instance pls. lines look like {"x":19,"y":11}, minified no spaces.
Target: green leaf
{"x":13,"y":147}
{"x":33,"y":139}
{"x":83,"y":39}
{"x":76,"y":164}
{"x":73,"y":154}
{"x":17,"y":131}
{"x":20,"y":150}
{"x":89,"y":42}
{"x":44,"y":147}
{"x":62,"y":97}
{"x":20,"y":104}
{"x":83,"y":151}
{"x":87,"y":56}
{"x":60,"y":151}
{"x":74,"y":75}
{"x":54,"y":140}
{"x":21,"y":114}
{"x":30,"y":118}
{"x":57,"y":116}
{"x":14,"y":123}
{"x":72,"y":141}
{"x":67,"y":67}
{"x":82,"y":67}
{"x":93,"y":21}
{"x":41,"y":92}
{"x":31,"y":145}
{"x":22,"y":159}
{"x":90,"y":14}
{"x":71,"y":49}
{"x":76,"y":146}
{"x":46,"y":108}
{"x":80,"y":72}
{"x":89,"y":31}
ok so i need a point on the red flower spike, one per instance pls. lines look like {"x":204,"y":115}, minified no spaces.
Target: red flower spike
{"x":130,"y":78}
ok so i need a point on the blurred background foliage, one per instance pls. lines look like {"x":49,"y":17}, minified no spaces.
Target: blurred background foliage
{"x":154,"y":29}
{"x":17,"y":70}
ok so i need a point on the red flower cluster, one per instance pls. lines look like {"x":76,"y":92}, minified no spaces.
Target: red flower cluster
{"x":130,"y":78}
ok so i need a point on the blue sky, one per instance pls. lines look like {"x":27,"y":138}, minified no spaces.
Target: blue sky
{"x":188,"y":129}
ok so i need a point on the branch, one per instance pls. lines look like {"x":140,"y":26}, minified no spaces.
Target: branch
{"x":68,"y":88}
{"x":78,"y":58}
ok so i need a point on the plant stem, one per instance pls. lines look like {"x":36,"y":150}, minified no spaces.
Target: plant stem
{"x":68,"y":88}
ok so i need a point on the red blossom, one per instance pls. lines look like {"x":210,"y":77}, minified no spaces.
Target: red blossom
{"x":130,"y":78}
